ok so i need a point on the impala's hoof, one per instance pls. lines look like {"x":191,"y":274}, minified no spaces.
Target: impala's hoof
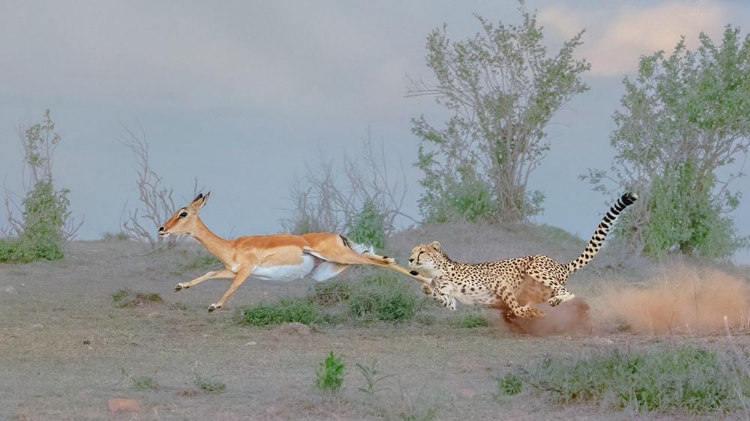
{"x":213,"y":307}
{"x":179,"y":287}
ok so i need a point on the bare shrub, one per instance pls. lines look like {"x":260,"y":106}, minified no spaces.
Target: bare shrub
{"x":156,"y":199}
{"x":332,"y":199}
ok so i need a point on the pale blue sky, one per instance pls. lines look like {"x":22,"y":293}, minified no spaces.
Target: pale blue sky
{"x":242,"y":94}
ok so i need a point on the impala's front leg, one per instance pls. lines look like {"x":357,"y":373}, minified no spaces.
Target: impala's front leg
{"x":216,"y":274}
{"x":242,"y":275}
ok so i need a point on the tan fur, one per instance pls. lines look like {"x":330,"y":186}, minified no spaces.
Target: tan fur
{"x":512,"y":285}
{"x":321,"y":255}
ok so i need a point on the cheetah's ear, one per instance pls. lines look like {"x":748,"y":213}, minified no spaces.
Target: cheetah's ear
{"x":435,"y":245}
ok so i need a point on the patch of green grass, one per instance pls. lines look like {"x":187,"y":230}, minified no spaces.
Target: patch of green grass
{"x":127,"y":298}
{"x":145,"y":383}
{"x":470,"y":321}
{"x":686,"y":379}
{"x":383,"y":297}
{"x":285,"y":311}
{"x":120,"y":295}
{"x":509,"y":385}
{"x":209,"y":385}
{"x":330,"y":374}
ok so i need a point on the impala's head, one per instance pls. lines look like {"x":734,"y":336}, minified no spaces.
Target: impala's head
{"x":183,"y":221}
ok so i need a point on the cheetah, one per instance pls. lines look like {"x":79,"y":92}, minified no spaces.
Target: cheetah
{"x":501,"y":284}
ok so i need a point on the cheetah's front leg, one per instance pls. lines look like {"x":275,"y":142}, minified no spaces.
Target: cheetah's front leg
{"x":442,"y":294}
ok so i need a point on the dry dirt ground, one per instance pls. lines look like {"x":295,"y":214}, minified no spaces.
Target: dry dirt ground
{"x":68,"y":351}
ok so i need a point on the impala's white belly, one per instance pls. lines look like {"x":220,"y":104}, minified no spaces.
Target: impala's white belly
{"x":285,"y":272}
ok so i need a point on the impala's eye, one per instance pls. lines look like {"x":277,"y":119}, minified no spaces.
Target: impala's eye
{"x":182,"y":214}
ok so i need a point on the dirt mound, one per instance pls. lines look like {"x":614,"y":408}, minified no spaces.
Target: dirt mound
{"x":684,"y":300}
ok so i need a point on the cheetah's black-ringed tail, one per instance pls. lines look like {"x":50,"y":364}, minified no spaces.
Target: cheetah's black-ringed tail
{"x":601,"y":232}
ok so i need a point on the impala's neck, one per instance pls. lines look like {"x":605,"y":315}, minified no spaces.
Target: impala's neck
{"x":215,"y":245}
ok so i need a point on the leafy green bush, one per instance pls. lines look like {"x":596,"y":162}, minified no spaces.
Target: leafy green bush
{"x":383,"y":297}
{"x":330,"y":374}
{"x":368,"y":226}
{"x":290,"y":310}
{"x":685,"y":379}
{"x":42,"y":232}
{"x":687,"y":219}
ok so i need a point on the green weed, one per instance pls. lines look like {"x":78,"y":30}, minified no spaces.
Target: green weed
{"x":330,"y":374}
{"x":371,"y":378}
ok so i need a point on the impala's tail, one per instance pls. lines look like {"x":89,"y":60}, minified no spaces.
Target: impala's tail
{"x":358,"y":248}
{"x":601,"y":232}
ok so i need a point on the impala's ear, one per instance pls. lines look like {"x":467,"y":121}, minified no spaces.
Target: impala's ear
{"x":200,"y":201}
{"x":435,"y":245}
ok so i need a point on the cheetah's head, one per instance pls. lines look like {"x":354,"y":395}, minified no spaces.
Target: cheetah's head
{"x":427,"y":260}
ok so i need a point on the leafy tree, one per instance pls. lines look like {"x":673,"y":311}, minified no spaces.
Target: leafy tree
{"x":683,"y":118}
{"x":503,"y":88}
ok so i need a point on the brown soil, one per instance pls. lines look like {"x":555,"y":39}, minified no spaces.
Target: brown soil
{"x":68,"y":351}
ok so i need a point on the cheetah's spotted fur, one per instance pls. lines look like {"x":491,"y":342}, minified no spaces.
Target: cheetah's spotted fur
{"x":497,"y":283}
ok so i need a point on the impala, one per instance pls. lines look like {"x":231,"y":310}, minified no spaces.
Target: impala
{"x":278,"y":257}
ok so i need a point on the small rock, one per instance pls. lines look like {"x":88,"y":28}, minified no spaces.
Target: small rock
{"x":9,"y":290}
{"x":37,"y":326}
{"x":123,"y":405}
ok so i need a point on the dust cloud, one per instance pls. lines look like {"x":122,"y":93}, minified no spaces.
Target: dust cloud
{"x":683,"y":300}
{"x":570,"y":318}
{"x":677,"y":299}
